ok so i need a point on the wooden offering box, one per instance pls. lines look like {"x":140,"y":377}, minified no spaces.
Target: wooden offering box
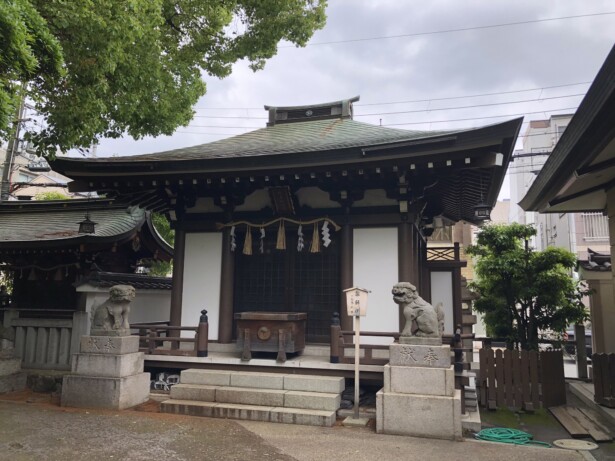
{"x":281,"y":332}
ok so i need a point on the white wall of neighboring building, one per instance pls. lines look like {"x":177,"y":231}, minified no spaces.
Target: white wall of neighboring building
{"x":202,"y":275}
{"x":375,"y":268}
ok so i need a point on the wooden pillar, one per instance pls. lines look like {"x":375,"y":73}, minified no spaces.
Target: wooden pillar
{"x":177,"y":288}
{"x":227,"y":284}
{"x":457,"y":309}
{"x":406,"y":248}
{"x":346,"y":272}
{"x":406,"y":258}
{"x":425,"y":272}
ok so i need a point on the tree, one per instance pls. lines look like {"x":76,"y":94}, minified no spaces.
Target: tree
{"x":51,"y":195}
{"x":163,"y":227}
{"x":522,"y":291}
{"x":134,"y":66}
{"x":28,"y":52}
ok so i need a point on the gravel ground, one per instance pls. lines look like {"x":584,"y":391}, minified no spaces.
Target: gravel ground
{"x":34,"y":427}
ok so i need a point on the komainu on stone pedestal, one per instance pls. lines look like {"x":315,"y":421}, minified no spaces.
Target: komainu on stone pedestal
{"x":422,"y":320}
{"x":111,"y":317}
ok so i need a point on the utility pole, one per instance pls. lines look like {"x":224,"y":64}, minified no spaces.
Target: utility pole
{"x":11,"y":150}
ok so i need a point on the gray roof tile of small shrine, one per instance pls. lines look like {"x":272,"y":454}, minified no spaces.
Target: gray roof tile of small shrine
{"x":283,"y":138}
{"x":596,"y":261}
{"x":61,"y":225}
{"x":138,"y":281}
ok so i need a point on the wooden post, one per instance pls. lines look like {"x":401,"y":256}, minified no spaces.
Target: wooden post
{"x":227,"y":283}
{"x":346,"y":275}
{"x":579,"y":337}
{"x":177,"y":288}
{"x":202,"y":335}
{"x":357,"y":351}
{"x":406,"y":257}
{"x":334,"y":340}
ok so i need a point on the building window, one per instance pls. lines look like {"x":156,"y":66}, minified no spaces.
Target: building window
{"x":596,"y":226}
{"x":24,"y":177}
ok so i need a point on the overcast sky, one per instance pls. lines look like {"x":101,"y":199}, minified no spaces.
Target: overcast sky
{"x":410,"y":72}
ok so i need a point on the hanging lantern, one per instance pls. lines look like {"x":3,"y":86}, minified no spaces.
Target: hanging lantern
{"x":87,"y":226}
{"x":482,"y":211}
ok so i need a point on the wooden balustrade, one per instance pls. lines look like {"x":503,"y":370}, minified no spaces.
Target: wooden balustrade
{"x":156,"y":338}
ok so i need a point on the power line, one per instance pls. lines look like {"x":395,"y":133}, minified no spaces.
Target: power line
{"x":545,"y":111}
{"x":481,"y":118}
{"x":423,"y":100}
{"x":446,"y":31}
{"x":410,"y":111}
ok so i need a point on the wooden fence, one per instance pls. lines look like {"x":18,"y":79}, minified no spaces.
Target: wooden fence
{"x":604,"y":379}
{"x":521,"y":380}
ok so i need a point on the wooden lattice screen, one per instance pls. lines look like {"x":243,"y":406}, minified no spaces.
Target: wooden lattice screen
{"x":290,"y":281}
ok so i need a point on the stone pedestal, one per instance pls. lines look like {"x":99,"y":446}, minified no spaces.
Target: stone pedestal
{"x":11,"y":376}
{"x":107,"y":373}
{"x":419,"y":397}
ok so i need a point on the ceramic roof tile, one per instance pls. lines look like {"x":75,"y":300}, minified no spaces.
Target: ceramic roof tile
{"x":61,"y":225}
{"x":309,"y":136}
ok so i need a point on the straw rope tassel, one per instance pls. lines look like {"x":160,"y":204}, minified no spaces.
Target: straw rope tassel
{"x":281,"y":244}
{"x":247,"y":245}
{"x":315,"y":247}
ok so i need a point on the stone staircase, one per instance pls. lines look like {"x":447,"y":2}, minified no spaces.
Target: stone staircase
{"x":271,"y":397}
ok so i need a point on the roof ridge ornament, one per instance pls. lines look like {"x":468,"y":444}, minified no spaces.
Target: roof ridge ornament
{"x":329,"y":110}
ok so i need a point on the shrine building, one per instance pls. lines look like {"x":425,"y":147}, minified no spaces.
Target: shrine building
{"x":282,"y":219}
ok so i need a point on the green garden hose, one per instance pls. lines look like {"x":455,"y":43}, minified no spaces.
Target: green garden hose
{"x":505,"y":435}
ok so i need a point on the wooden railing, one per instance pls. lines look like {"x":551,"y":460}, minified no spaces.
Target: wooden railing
{"x":342,"y":345}
{"x":159,"y":338}
{"x":604,"y":379}
{"x":521,"y":379}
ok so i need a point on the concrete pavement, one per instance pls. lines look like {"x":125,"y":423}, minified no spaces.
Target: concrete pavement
{"x":39,"y":430}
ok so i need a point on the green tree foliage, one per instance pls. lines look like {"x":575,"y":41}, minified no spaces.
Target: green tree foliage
{"x":522,"y":291}
{"x":51,"y":195}
{"x":134,"y":66}
{"x":163,"y":227}
{"x":28,"y":53}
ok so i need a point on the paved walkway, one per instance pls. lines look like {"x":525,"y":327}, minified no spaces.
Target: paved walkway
{"x":34,"y":429}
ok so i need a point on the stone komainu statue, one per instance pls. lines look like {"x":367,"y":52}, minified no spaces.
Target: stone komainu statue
{"x":429,"y":320}
{"x":111,"y":317}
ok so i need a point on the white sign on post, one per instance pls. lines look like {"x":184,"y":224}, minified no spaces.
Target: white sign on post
{"x":356,"y":306}
{"x":356,"y":301}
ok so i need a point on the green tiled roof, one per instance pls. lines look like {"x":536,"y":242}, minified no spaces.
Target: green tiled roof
{"x":61,"y":225}
{"x":284,"y":138}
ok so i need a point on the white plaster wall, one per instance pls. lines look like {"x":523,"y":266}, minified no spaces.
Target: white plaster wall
{"x":375,"y":268}
{"x":202,"y":272}
{"x":442,"y":292}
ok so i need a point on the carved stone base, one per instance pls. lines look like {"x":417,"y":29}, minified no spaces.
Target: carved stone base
{"x":419,"y":396}
{"x":419,"y":415}
{"x":120,"y":332}
{"x":420,"y":340}
{"x":416,"y":355}
{"x":100,"y":392}
{"x":107,"y":373}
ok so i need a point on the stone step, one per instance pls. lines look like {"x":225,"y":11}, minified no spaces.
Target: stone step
{"x":307,"y":383}
{"x":259,"y":397}
{"x":250,"y":412}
